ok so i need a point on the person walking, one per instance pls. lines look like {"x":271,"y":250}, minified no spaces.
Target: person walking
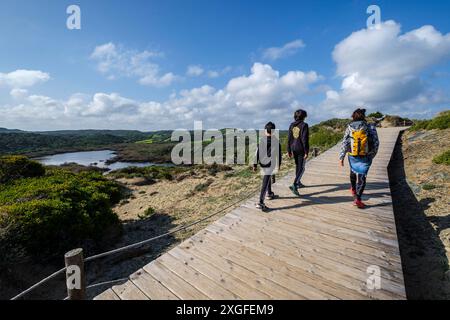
{"x":298,"y":147}
{"x":361,"y":144}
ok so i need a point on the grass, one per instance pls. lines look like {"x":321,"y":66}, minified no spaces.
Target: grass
{"x":443,"y":158}
{"x":441,"y":122}
{"x":202,"y":187}
{"x":147,"y":213}
{"x":148,"y":141}
{"x":428,"y":186}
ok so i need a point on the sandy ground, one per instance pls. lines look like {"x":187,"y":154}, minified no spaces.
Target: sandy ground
{"x":421,"y":194}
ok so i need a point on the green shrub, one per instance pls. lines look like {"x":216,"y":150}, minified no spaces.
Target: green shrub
{"x":147,"y":213}
{"x":377,"y":115}
{"x":441,"y":121}
{"x":201,"y":187}
{"x":443,"y":158}
{"x":419,"y":125}
{"x":51,"y":214}
{"x":428,"y":186}
{"x":324,"y":137}
{"x":16,"y":167}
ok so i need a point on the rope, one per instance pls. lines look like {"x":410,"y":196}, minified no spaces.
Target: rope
{"x":53,"y":275}
{"x":105,"y":282}
{"x":134,"y":245}
{"x":141,"y":243}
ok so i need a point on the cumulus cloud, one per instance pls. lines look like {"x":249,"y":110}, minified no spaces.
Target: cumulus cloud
{"x":194,"y":71}
{"x":289,"y":49}
{"x":382,"y":67}
{"x":23,"y":78}
{"x":246,"y":101}
{"x":18,"y":93}
{"x":116,"y":61}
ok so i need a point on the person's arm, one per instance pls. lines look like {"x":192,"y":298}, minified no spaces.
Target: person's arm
{"x":290,"y":137}
{"x":375,"y":141}
{"x":280,"y":156}
{"x":344,"y":145}
{"x":305,"y":138}
{"x":256,"y":159}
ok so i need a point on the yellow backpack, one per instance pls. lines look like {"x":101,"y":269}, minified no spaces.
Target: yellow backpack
{"x":359,"y":142}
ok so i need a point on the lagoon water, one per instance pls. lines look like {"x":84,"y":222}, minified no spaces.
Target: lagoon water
{"x":86,"y":158}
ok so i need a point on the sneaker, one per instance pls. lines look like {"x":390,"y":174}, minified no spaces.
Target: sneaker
{"x":359,"y":204}
{"x":294,"y":190}
{"x":262,"y":207}
{"x":272,"y":196}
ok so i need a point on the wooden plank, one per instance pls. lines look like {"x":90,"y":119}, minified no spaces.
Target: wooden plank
{"x":128,"y":291}
{"x":226,"y":280}
{"x":151,"y":287}
{"x":196,"y":279}
{"x":107,"y":295}
{"x":174,"y":283}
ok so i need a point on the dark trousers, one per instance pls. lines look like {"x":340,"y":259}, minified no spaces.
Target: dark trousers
{"x":300,"y":161}
{"x":358,"y":183}
{"x":266,"y":187}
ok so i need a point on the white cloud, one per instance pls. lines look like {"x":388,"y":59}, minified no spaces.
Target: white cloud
{"x":218,"y":73}
{"x":18,"y":93}
{"x":289,"y":49}
{"x":115,"y":61}
{"x":23,"y":78}
{"x":194,"y":71}
{"x":383,"y":68}
{"x":246,"y":101}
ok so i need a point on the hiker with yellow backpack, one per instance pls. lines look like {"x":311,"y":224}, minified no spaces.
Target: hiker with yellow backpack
{"x":361,"y":144}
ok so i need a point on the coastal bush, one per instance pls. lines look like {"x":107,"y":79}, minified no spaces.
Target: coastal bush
{"x":324,"y":137}
{"x":50,"y":214}
{"x":376,"y":115}
{"x":443,"y":158}
{"x":15,"y":167}
{"x":147,"y":213}
{"x":441,"y":122}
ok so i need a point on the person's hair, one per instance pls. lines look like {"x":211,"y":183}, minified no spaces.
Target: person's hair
{"x":270,"y":126}
{"x":359,"y":115}
{"x":300,"y":115}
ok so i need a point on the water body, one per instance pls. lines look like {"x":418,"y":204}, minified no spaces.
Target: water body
{"x":91,"y":158}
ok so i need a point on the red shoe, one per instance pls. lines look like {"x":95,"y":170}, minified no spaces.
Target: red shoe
{"x":359,"y":204}
{"x":353,"y":191}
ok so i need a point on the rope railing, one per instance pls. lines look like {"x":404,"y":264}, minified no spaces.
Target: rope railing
{"x":81,"y":291}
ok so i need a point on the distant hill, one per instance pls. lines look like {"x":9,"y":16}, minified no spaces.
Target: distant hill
{"x":4,"y":130}
{"x":47,"y":142}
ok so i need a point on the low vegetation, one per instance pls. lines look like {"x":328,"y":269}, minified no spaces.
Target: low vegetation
{"x":443,"y":158}
{"x":441,"y":122}
{"x":45,"y":212}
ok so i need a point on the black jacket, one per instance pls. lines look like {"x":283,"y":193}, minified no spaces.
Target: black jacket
{"x":298,"y":138}
{"x":266,"y":143}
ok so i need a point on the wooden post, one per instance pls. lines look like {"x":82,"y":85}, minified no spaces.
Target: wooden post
{"x":75,"y":277}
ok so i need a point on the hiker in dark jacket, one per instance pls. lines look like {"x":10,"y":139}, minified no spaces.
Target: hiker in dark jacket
{"x":268,"y":156}
{"x":361,"y":144}
{"x":298,"y":147}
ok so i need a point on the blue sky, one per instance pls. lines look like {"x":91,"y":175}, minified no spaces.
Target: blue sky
{"x":250,"y":61}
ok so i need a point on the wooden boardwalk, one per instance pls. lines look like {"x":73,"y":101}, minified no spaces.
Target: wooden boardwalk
{"x":315,"y":247}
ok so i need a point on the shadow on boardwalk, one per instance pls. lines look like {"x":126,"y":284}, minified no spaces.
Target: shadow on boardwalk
{"x":321,"y":197}
{"x":423,"y":253}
